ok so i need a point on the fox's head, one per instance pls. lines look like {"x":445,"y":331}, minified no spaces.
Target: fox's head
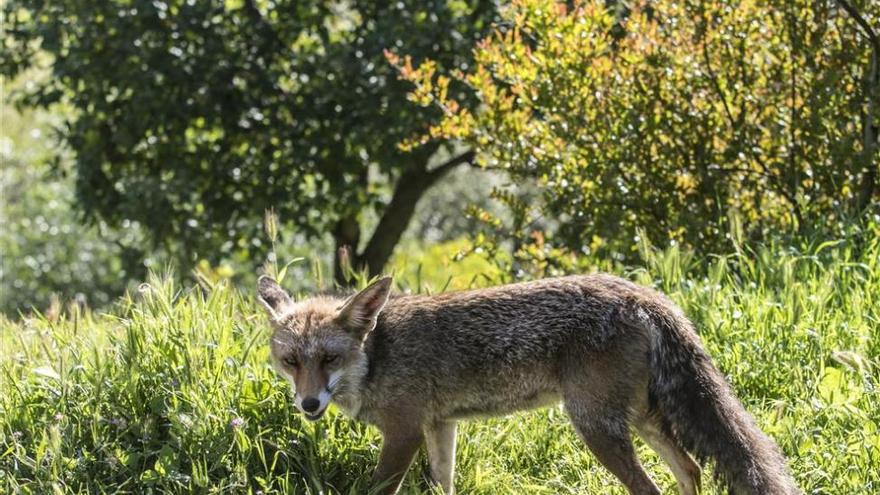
{"x":317,"y":344}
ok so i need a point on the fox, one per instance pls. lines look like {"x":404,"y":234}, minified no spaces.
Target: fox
{"x":620,"y":357}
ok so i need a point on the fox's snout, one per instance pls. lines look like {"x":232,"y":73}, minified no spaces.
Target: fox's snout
{"x":311,"y":398}
{"x":314,"y":391}
{"x":313,"y":407}
{"x":310,"y":404}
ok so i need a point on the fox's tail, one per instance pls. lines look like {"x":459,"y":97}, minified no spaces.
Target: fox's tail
{"x":698,"y":406}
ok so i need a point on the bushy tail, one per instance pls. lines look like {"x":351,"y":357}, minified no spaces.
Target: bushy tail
{"x":699,"y":407}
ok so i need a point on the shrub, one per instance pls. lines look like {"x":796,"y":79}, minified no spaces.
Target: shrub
{"x":663,"y":120}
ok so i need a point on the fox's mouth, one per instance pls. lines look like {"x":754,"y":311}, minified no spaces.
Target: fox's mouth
{"x":316,"y":416}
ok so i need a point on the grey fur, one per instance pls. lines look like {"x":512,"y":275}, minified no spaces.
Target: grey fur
{"x":617,"y":354}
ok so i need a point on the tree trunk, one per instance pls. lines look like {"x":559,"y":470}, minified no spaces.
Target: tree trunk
{"x":400,"y":210}
{"x":413,"y":184}
{"x":868,"y":184}
{"x":869,"y":139}
{"x":410,"y":188}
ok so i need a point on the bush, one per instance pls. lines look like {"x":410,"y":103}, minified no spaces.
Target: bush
{"x":663,"y":120}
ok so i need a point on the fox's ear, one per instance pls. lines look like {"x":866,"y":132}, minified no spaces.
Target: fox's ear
{"x":360,"y":312}
{"x":271,"y":295}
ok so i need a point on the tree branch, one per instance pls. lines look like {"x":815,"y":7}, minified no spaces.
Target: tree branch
{"x":717,"y":86}
{"x":442,"y":169}
{"x":868,"y":30}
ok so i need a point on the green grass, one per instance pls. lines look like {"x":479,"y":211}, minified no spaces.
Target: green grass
{"x":173,"y":391}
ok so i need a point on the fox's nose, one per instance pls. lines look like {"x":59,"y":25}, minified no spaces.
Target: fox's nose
{"x":310,"y":404}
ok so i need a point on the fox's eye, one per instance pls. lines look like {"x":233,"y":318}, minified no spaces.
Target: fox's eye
{"x":331,"y":359}
{"x":291,"y":361}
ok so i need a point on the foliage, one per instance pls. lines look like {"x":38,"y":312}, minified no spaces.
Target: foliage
{"x":442,"y":266}
{"x":193,"y":118}
{"x":45,"y":251}
{"x":662,"y":120}
{"x":175,"y":394}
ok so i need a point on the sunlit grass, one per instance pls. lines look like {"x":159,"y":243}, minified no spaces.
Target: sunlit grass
{"x":173,"y":391}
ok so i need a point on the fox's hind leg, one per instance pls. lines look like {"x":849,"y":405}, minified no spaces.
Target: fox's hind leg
{"x":605,"y":431}
{"x":683,"y":466}
{"x":599,"y":391}
{"x":440,"y":440}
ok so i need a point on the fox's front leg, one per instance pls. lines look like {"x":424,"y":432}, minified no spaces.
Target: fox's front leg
{"x":440,"y":440}
{"x":399,"y":447}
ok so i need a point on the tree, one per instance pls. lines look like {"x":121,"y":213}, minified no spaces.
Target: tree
{"x":193,"y":118}
{"x":662,"y":123}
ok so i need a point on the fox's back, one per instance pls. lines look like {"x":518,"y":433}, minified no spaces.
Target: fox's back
{"x":512,"y":340}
